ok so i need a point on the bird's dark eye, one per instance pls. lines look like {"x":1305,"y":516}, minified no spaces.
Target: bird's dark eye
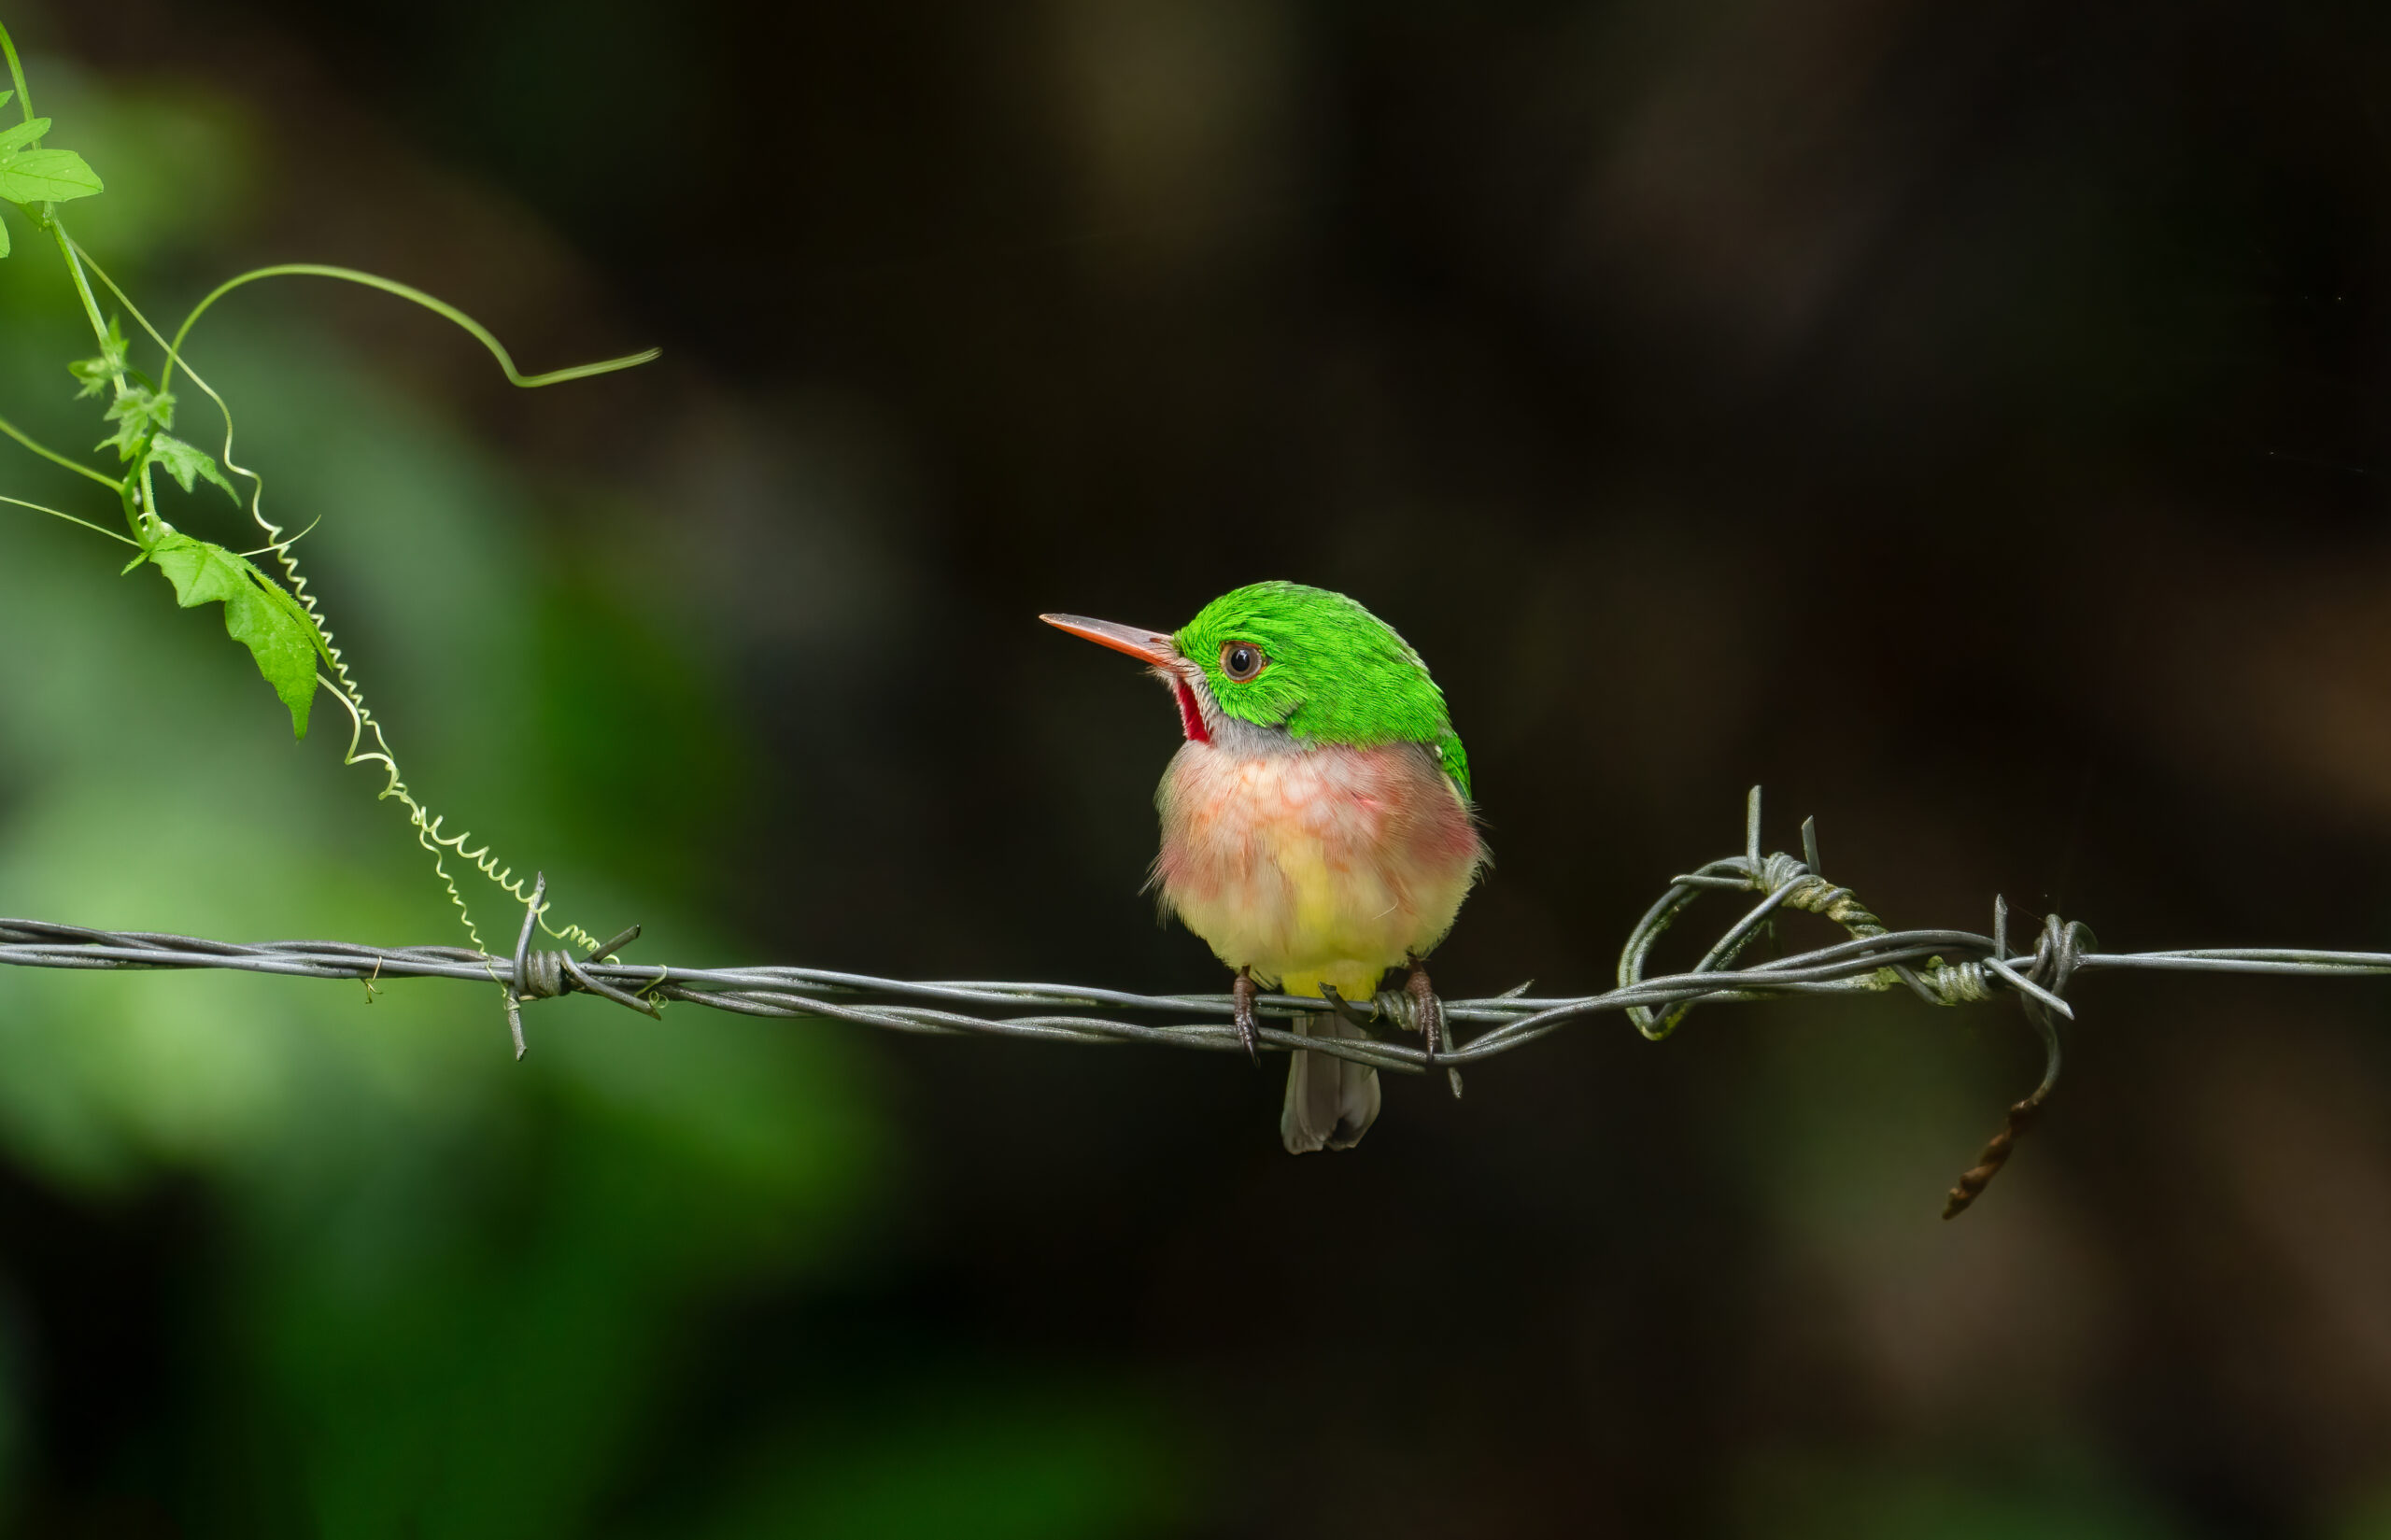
{"x":1241,"y":661}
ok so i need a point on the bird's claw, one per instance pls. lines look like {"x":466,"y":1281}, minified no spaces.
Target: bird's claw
{"x":1241,"y":994}
{"x":1428,"y":1014}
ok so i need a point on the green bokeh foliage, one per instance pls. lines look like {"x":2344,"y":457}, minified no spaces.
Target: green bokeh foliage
{"x":443,"y":1293}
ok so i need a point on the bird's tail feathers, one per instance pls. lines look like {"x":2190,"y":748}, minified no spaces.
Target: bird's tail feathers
{"x":1331,"y":1102}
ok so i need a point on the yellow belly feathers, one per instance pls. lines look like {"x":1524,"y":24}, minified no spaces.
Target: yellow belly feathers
{"x":1324,"y":864}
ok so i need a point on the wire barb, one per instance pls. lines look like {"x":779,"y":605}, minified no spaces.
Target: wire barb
{"x":544,"y":975}
{"x":1943,"y":967}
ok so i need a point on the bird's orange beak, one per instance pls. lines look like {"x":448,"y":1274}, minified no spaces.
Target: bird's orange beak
{"x":1152,"y":647}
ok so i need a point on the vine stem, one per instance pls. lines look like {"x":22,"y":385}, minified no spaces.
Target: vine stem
{"x":12,"y":431}
{"x":17,"y":77}
{"x":140,"y":499}
{"x":90,"y":310}
{"x":473,"y":328}
{"x":83,"y":288}
{"x":96,"y":529}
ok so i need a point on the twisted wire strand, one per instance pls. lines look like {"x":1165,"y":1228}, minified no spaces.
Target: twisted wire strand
{"x":1941,"y":966}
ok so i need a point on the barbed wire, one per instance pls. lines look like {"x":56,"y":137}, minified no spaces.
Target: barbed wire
{"x":1943,"y":967}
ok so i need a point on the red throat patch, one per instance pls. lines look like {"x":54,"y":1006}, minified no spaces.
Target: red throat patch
{"x":1190,"y":717}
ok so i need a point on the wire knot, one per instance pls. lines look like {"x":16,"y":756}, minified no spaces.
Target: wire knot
{"x":545,"y":975}
{"x":1963,"y":982}
{"x":2058,"y":951}
{"x":1805,"y":890}
{"x":2041,"y":990}
{"x":541,"y":976}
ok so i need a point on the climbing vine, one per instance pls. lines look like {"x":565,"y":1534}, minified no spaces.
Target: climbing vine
{"x":279,"y":619}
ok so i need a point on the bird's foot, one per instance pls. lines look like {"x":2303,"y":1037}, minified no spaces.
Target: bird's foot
{"x":1428,"y":1014}
{"x":1242,"y":992}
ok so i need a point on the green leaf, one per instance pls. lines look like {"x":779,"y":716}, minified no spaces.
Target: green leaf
{"x":4,"y":237}
{"x":142,"y":404}
{"x":35,"y":176}
{"x":4,"y":97}
{"x":258,"y":613}
{"x":22,"y":135}
{"x":140,"y":414}
{"x":95,"y":373}
{"x":184,"y":461}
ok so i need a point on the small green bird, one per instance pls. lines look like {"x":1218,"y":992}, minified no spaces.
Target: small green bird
{"x":1316,"y":824}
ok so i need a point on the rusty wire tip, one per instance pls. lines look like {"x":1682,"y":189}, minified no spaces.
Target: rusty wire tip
{"x":1995,"y":1155}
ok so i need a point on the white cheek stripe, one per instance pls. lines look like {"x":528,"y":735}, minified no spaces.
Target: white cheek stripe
{"x":1234,"y":734}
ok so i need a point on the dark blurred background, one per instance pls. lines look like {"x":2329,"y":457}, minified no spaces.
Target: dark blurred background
{"x":1970,"y":423}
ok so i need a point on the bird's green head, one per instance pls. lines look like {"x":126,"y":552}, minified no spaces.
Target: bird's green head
{"x":1285,"y":658}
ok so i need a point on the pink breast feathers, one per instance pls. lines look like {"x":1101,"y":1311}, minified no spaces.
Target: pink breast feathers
{"x":1328,"y":855}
